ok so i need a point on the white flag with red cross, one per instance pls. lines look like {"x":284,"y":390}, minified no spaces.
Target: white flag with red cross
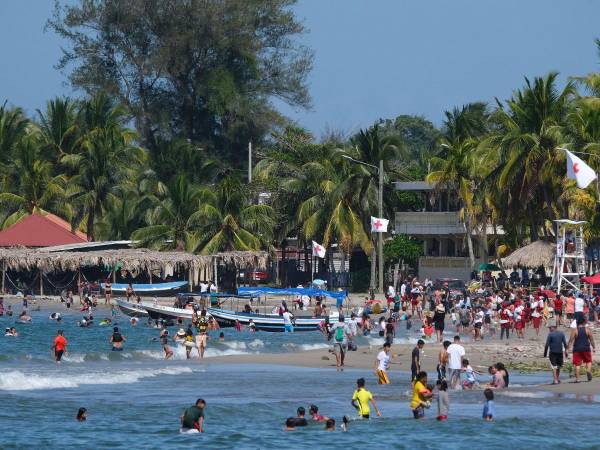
{"x":318,"y":250}
{"x":379,"y":225}
{"x":579,"y":171}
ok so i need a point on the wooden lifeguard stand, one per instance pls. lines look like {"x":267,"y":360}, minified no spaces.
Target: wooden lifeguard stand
{"x":569,"y":260}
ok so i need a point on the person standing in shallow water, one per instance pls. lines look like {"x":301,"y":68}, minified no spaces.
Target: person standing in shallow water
{"x":60,"y":346}
{"x":117,"y":340}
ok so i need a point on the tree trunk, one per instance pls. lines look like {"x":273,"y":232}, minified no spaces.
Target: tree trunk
{"x":396,"y":274}
{"x":484,"y":238}
{"x":470,"y":242}
{"x":532,"y":224}
{"x":373,"y":282}
{"x":90,"y":225}
{"x":283,"y":265}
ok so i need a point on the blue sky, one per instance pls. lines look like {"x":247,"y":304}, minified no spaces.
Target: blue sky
{"x":373,"y":58}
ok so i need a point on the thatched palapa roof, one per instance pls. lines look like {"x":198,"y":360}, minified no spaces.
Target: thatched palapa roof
{"x":133,"y":260}
{"x":534,"y":255}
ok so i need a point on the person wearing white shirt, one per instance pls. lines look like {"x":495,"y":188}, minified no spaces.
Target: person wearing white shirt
{"x":203,"y":287}
{"x":382,"y":363}
{"x":287,"y":321}
{"x":403,"y":289}
{"x":391,"y":291}
{"x":579,"y":306}
{"x":456,"y":352}
{"x":213,"y":287}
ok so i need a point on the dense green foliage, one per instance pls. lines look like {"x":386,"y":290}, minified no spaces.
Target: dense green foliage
{"x":173,"y":92}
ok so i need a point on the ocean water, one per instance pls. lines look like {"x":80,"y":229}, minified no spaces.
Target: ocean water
{"x":134,"y":399}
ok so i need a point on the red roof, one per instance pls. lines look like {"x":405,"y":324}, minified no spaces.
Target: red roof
{"x":36,"y":230}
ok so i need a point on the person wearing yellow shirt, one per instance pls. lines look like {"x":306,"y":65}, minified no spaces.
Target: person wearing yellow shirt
{"x":421,"y":396}
{"x":361,"y":399}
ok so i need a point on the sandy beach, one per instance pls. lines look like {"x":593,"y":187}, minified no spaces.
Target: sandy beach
{"x":516,"y":354}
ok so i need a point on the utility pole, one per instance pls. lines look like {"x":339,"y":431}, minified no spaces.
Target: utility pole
{"x":380,"y":235}
{"x":250,"y":162}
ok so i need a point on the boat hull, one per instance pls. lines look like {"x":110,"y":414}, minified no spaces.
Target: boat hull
{"x":131,"y":309}
{"x":264,"y":322}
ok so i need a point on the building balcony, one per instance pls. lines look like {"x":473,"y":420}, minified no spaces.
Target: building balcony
{"x":429,"y":223}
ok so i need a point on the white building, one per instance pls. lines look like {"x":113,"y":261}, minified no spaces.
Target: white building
{"x":439,"y":226}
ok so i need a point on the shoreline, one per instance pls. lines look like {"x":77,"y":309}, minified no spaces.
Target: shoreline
{"x":515,"y":353}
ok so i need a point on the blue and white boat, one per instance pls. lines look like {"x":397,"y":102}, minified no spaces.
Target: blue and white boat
{"x":148,"y":288}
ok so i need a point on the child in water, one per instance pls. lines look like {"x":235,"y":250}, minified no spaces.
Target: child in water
{"x":488,"y":406}
{"x":443,"y":401}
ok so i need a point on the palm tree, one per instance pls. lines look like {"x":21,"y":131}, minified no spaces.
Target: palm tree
{"x":524,"y":143}
{"x":227,"y":221}
{"x":371,"y":147}
{"x":454,"y":173}
{"x":106,"y":156}
{"x":33,"y":187}
{"x":59,"y":128}
{"x":170,"y":221}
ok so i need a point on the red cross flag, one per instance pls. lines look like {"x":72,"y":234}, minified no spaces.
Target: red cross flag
{"x":579,"y":171}
{"x":379,"y":225}
{"x":318,"y":250}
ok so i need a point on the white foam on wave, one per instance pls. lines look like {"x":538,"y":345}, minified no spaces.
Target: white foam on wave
{"x":522,"y":394}
{"x":256,"y":343}
{"x":16,"y":380}
{"x":234,"y":345}
{"x":290,"y":346}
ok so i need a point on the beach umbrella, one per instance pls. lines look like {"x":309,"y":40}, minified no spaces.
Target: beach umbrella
{"x":488,"y":266}
{"x":593,"y":279}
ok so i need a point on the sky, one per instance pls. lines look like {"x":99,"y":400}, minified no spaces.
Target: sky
{"x":373,"y":58}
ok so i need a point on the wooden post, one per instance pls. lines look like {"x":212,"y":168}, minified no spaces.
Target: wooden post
{"x":150,"y":274}
{"x":190,"y":282}
{"x":3,"y":276}
{"x":41,"y":284}
{"x":114,"y":275}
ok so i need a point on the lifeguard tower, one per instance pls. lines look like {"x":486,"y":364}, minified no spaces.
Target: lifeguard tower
{"x":569,"y":261}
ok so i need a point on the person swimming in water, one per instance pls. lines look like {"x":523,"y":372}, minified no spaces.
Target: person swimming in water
{"x":24,"y":317}
{"x":54,"y":316}
{"x":105,"y":322}
{"x":193,"y":417}
{"x":81,"y":415}
{"x":117,"y":340}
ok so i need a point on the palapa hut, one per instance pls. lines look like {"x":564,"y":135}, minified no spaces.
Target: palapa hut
{"x":135,"y":261}
{"x":532,"y":256}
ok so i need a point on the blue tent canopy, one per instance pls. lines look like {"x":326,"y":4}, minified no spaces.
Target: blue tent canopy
{"x":291,"y":291}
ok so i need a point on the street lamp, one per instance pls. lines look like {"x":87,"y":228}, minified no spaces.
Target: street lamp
{"x":380,"y":212}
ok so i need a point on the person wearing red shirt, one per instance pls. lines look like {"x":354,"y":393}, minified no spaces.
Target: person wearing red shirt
{"x":558,"y":309}
{"x":60,"y":346}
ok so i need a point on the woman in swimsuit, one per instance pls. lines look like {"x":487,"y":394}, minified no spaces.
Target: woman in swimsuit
{"x":107,"y":291}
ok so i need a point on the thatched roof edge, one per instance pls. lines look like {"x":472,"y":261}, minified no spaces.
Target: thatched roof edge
{"x":536,"y":254}
{"x":135,"y":260}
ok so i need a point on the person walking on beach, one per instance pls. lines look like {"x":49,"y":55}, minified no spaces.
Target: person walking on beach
{"x":288,"y":326}
{"x":439,"y":320}
{"x":164,"y":341}
{"x":382,"y":363}
{"x":361,"y":398}
{"x":193,"y":418}
{"x":555,"y":342}
{"x":60,"y":346}
{"x":415,"y":363}
{"x":117,"y":340}
{"x":581,"y":343}
{"x":456,"y":352}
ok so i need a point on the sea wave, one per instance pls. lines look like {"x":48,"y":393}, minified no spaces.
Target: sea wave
{"x":291,"y":347}
{"x":15,"y":380}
